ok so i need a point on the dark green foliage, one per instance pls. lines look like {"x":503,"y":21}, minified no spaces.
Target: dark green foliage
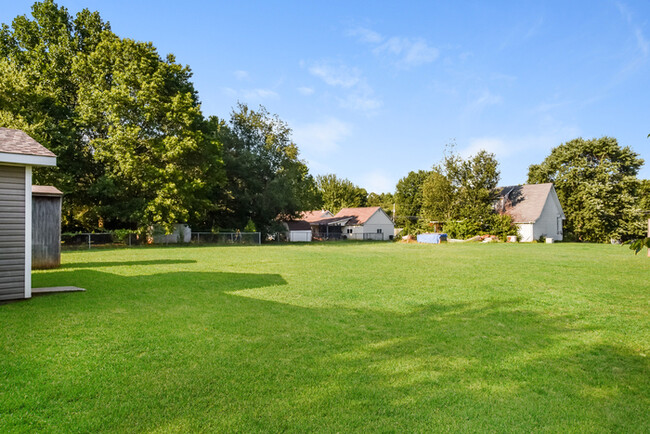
{"x":265,"y":177}
{"x":383,"y":200}
{"x":597,"y":186}
{"x":125,"y":123}
{"x":338,"y":193}
{"x":437,"y":196}
{"x":461,"y":192}
{"x":462,"y":229}
{"x":408,"y":196}
{"x":638,"y":245}
{"x":501,"y":225}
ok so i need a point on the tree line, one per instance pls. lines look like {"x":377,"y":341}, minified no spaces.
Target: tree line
{"x":135,"y":150}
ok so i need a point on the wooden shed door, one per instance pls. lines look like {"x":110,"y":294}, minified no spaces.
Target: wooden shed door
{"x":12,"y":232}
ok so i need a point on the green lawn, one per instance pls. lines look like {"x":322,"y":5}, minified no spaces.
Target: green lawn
{"x":333,"y":337}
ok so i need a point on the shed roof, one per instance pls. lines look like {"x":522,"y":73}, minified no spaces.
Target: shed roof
{"x":18,"y":142}
{"x":524,"y":203}
{"x":45,"y":190}
{"x":298,"y":225}
{"x":357,"y":216}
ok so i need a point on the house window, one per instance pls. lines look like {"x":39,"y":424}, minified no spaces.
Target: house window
{"x":559,"y":225}
{"x":379,"y":231}
{"x":349,"y":230}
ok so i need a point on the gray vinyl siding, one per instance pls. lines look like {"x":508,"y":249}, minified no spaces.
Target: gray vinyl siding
{"x":12,"y":232}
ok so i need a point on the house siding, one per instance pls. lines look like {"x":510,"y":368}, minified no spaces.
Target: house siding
{"x":12,"y":232}
{"x":526,"y":232}
{"x":547,"y":223}
{"x":378,"y":220}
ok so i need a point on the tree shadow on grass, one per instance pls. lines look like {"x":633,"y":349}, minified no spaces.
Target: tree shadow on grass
{"x":100,"y":264}
{"x":179,"y":351}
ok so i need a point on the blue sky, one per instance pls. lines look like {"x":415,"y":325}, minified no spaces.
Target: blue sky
{"x":373,"y":89}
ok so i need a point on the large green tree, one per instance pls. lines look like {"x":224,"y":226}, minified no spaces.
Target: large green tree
{"x":265,"y":177}
{"x":597,"y":186}
{"x":408,"y":196}
{"x":337,"y":193}
{"x":383,"y":200}
{"x":461,"y":192}
{"x":437,"y":196}
{"x":133,"y":148}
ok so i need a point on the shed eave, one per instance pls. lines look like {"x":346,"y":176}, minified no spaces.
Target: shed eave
{"x":27,"y":160}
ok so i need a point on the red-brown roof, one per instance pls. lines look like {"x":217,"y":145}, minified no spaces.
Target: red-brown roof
{"x":314,"y":216}
{"x":524,"y":203}
{"x":46,"y":190}
{"x":358,"y":216}
{"x":17,"y":142}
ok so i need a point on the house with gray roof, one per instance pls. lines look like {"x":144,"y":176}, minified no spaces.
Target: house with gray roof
{"x":18,"y":154}
{"x":535,"y":210}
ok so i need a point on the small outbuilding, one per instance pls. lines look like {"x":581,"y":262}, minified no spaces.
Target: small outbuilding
{"x":46,"y":227}
{"x":535,"y":210}
{"x":298,"y":231}
{"x":19,"y":153}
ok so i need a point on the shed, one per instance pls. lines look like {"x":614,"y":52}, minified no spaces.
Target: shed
{"x":18,"y":154}
{"x":535,"y":210}
{"x":46,"y":227}
{"x":298,"y":230}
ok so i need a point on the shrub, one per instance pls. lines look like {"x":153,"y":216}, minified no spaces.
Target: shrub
{"x":250,"y":226}
{"x":501,"y":225}
{"x":462,"y":229}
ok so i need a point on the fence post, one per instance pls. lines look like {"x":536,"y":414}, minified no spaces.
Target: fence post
{"x":88,"y":241}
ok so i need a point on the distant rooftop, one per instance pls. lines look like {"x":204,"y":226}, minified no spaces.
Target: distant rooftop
{"x":524,"y":203}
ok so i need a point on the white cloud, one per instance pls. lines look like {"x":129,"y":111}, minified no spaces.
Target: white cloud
{"x":409,"y":52}
{"x":338,"y":75}
{"x":642,"y":42}
{"x":358,"y":95}
{"x":366,"y":35}
{"x":241,"y":75}
{"x":490,"y":144}
{"x":485,"y":99}
{"x":306,"y":90}
{"x":250,"y":96}
{"x":257,"y":94}
{"x":377,"y":181}
{"x":405,"y":52}
{"x":361,"y":102}
{"x":321,"y":138}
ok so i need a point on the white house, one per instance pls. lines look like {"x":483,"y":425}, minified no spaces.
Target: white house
{"x":18,"y":154}
{"x":298,"y":230}
{"x":367,"y":223}
{"x":535,"y":209}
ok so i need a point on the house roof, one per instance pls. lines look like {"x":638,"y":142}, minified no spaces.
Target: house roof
{"x":46,"y":190}
{"x":357,"y":216}
{"x":314,"y":216}
{"x":524,"y":203}
{"x":17,"y":142}
{"x":298,"y":225}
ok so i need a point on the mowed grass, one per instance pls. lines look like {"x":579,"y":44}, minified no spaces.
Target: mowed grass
{"x":333,"y":337}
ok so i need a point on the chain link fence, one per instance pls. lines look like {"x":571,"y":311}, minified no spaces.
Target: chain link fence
{"x":84,"y":241}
